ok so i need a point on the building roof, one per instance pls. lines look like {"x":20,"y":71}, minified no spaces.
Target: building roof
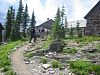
{"x":47,"y":24}
{"x":1,"y":27}
{"x":93,"y":9}
{"x":82,"y":23}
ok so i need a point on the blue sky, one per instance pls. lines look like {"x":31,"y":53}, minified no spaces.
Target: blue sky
{"x":75,"y":9}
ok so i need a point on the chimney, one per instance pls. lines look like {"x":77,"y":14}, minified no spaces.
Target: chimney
{"x":47,"y":19}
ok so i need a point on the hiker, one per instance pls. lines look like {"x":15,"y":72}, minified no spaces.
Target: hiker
{"x":42,"y":33}
{"x":32,"y":34}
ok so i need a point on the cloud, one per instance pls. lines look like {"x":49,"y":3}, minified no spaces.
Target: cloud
{"x":82,"y":7}
{"x":43,"y":9}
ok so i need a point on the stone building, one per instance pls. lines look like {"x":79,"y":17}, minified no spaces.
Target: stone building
{"x":93,"y":21}
{"x":1,"y":28}
{"x":46,"y":25}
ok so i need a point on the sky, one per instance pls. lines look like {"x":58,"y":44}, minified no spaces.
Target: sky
{"x":43,"y":9}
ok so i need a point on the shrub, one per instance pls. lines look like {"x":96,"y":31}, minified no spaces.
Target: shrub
{"x":80,"y":67}
{"x":10,"y":73}
{"x":5,"y":69}
{"x":56,"y":46}
{"x":44,"y":60}
{"x":69,"y":50}
{"x":28,"y":55}
{"x":56,"y":64}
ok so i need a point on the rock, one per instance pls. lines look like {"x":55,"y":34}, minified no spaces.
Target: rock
{"x":27,"y":61}
{"x":46,"y":66}
{"x":97,"y":60}
{"x":89,"y":49}
{"x":43,"y":71}
{"x":51,"y":71}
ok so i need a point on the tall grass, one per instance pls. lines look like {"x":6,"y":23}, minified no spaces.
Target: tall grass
{"x":5,"y":51}
{"x":81,"y":67}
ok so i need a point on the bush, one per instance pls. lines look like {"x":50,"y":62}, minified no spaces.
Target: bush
{"x":10,"y":73}
{"x":28,"y":55}
{"x":5,"y":69}
{"x":56,"y":46}
{"x":80,"y":67}
{"x":44,"y":60}
{"x":56,"y":64}
{"x":69,"y":50}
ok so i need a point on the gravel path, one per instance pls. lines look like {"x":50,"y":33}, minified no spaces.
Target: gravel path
{"x":18,"y":63}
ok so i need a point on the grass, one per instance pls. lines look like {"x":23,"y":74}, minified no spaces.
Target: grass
{"x":81,"y":67}
{"x":28,"y":54}
{"x":5,"y":51}
{"x":47,"y":42}
{"x":98,"y":47}
{"x":56,"y":64}
{"x":70,"y":50}
{"x":96,"y":68}
{"x":44,"y":60}
{"x":87,"y":39}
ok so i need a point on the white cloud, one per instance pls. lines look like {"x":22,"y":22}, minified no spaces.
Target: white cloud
{"x":42,"y":12}
{"x":75,"y":9}
{"x":81,"y":8}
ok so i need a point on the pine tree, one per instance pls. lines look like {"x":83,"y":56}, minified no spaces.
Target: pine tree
{"x":9,"y":24}
{"x":25,"y":20}
{"x":66,"y":26}
{"x":13,"y":32}
{"x":56,"y":27}
{"x":66,"y":23}
{"x":62,"y":15}
{"x":71,"y":31}
{"x":19,"y":20}
{"x":79,"y":32}
{"x":77,"y":27}
{"x":33,"y":22}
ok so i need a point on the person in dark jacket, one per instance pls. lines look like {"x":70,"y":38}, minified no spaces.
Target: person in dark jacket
{"x":32,"y":34}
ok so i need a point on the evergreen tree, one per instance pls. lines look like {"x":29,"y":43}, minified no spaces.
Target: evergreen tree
{"x":25,"y":20}
{"x":79,"y":32}
{"x":9,"y":24}
{"x":13,"y":32}
{"x":66,"y":23}
{"x":56,"y":27}
{"x":19,"y":20}
{"x":63,"y":30}
{"x":33,"y":22}
{"x":62,"y":15}
{"x":71,"y":31}
{"x":77,"y":27}
{"x":66,"y":26}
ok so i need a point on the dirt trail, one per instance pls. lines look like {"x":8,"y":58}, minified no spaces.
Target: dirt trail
{"x":18,"y":63}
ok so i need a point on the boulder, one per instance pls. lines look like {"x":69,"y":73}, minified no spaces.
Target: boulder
{"x":46,"y":66}
{"x":89,"y":49}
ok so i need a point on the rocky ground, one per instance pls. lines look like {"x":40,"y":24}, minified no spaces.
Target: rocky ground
{"x":33,"y":66}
